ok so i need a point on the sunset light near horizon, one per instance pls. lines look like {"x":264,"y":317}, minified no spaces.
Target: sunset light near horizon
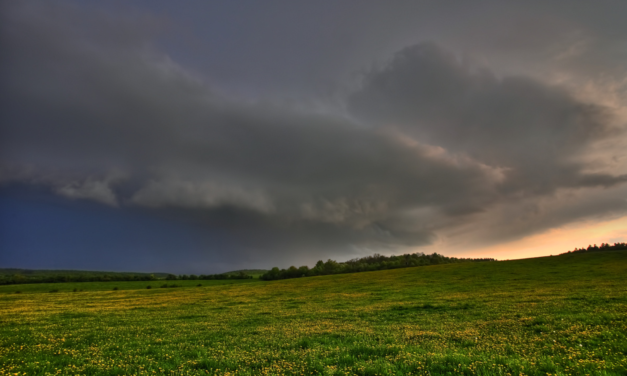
{"x":556,"y":241}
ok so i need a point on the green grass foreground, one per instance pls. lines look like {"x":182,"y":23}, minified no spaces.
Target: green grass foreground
{"x":564,"y":315}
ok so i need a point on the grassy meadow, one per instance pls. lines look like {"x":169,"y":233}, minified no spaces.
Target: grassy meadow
{"x":560,"y":315}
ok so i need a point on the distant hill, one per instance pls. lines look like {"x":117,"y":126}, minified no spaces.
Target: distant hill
{"x":45,"y":272}
{"x":15,"y":275}
{"x":604,"y":247}
{"x":253,"y":272}
{"x":10,"y":276}
{"x":366,"y":264}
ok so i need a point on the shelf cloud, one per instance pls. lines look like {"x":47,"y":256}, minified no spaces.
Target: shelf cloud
{"x":426,"y":144}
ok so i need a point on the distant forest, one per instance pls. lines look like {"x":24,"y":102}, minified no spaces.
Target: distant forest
{"x":602,"y":248}
{"x":369,"y":263}
{"x":365,"y":264}
{"x":229,"y":275}
{"x":21,"y":276}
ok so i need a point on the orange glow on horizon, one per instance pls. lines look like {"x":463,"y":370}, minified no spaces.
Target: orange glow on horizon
{"x":560,"y":240}
{"x":552,"y":242}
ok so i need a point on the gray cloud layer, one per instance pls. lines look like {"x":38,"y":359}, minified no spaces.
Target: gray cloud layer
{"x":93,"y":109}
{"x":533,"y":131}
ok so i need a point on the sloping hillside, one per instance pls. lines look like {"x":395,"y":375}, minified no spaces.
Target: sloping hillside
{"x":554,"y":315}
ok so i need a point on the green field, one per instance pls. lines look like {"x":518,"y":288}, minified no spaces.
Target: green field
{"x":562,"y":315}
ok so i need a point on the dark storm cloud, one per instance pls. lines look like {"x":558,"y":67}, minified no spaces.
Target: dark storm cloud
{"x":120,"y":123}
{"x":531,"y":130}
{"x":299,"y":48}
{"x":94,"y":110}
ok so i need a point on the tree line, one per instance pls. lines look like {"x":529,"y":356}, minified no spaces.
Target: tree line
{"x":603,"y":247}
{"x":14,"y":279}
{"x":364,"y":264}
{"x":192,"y":277}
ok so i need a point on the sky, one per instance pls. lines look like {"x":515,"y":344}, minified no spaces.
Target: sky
{"x":202,"y":137}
